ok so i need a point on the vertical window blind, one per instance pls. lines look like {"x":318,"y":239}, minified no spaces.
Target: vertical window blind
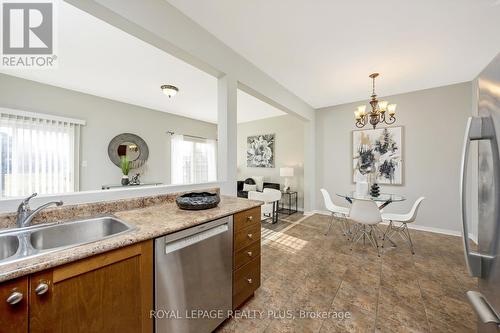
{"x":193,"y":160}
{"x":38,"y":153}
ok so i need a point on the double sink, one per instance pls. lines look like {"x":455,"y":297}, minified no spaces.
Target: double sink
{"x":22,"y":243}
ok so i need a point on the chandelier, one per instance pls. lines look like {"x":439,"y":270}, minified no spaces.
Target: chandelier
{"x":378,"y":112}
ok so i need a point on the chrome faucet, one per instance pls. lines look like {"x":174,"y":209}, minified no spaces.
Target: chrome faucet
{"x":24,"y":213}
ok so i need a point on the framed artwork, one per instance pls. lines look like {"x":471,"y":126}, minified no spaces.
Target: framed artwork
{"x":260,"y":151}
{"x":378,"y":153}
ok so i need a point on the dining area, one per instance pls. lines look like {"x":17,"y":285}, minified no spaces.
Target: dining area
{"x":362,"y":220}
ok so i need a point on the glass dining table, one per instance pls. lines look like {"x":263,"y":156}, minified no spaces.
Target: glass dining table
{"x":384,"y":198}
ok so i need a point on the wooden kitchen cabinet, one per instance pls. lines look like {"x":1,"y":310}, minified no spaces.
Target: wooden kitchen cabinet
{"x":14,"y":305}
{"x":246,"y":255}
{"x":108,"y":292}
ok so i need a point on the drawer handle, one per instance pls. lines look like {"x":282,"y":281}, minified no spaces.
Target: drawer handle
{"x":250,"y":281}
{"x":42,"y":288}
{"x":250,"y":236}
{"x":15,"y":298}
{"x":250,"y":218}
{"x":249,"y":253}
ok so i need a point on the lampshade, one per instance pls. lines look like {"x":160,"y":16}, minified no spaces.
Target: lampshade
{"x":392,"y":109}
{"x":362,"y":110}
{"x":286,"y":172}
{"x":383,"y":105}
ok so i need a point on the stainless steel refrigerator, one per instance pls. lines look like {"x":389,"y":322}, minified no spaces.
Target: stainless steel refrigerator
{"x":483,"y":261}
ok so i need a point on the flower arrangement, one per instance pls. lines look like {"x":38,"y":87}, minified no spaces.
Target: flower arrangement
{"x":125,"y":166}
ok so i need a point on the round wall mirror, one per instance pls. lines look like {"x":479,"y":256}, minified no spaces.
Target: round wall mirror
{"x":130,"y":145}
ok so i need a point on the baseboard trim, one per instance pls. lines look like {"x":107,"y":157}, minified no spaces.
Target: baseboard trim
{"x":411,"y":226}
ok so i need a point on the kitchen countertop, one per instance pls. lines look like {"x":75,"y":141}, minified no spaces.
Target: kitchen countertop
{"x":149,"y":222}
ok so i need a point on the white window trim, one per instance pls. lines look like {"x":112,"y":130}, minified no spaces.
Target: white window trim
{"x":27,"y":114}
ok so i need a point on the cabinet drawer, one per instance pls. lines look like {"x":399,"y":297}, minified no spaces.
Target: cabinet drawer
{"x":246,"y":219}
{"x":246,"y":281}
{"x":246,"y":254}
{"x":245,"y":237}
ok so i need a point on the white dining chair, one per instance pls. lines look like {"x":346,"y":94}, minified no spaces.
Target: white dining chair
{"x":366,"y":216}
{"x":338,"y":212}
{"x":271,"y":198}
{"x":402,"y":229}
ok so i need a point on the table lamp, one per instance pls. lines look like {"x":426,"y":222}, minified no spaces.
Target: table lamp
{"x":287,"y":173}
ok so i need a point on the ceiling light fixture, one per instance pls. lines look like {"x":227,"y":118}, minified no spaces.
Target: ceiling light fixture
{"x":378,"y":112}
{"x":169,"y":90}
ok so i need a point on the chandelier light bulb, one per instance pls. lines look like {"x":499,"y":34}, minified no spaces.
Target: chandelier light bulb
{"x":382,"y":105}
{"x":392,"y":109}
{"x":362,"y":110}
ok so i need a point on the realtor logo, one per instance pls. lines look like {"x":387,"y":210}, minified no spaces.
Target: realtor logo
{"x":28,"y":34}
{"x":27,"y":28}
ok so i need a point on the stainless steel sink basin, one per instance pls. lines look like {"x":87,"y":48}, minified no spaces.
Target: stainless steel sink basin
{"x":8,"y":246}
{"x":76,"y":233}
{"x":20,"y":243}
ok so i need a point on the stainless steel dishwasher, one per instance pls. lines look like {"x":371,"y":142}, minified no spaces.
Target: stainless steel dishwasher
{"x":193,"y":278}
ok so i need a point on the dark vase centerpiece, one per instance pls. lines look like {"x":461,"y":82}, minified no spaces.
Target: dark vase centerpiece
{"x":198,"y":200}
{"x":375,"y":190}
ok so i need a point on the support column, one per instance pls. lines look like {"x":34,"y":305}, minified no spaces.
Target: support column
{"x":227,"y":131}
{"x":310,"y":166}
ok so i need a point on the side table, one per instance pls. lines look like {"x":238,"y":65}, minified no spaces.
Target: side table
{"x":290,"y":197}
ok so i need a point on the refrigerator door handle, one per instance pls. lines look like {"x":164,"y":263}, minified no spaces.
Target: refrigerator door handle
{"x":483,"y":309}
{"x":478,"y":128}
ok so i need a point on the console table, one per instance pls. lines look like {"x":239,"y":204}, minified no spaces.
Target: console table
{"x":110,"y":186}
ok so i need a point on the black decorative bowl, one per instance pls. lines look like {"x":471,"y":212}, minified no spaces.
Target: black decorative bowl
{"x":198,"y":200}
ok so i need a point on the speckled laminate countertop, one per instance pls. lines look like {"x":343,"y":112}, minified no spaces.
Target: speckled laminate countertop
{"x":149,"y":222}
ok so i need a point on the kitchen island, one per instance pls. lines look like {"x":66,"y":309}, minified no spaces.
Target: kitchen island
{"x":114,"y":276}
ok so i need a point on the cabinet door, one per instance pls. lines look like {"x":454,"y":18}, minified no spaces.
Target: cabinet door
{"x":14,"y":306}
{"x":110,"y":292}
{"x":246,"y":280}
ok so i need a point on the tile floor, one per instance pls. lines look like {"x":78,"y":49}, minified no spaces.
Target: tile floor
{"x":304,"y":270}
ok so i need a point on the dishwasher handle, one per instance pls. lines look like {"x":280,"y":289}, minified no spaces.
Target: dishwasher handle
{"x":196,"y":238}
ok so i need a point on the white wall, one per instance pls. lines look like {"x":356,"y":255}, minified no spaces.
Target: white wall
{"x":434,"y":123}
{"x":105,"y":119}
{"x":289,"y":150}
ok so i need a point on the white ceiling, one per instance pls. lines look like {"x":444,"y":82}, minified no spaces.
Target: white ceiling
{"x":99,"y":59}
{"x":323,"y":50}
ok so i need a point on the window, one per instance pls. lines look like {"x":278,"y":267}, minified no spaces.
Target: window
{"x":193,"y":160}
{"x":37,"y":153}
